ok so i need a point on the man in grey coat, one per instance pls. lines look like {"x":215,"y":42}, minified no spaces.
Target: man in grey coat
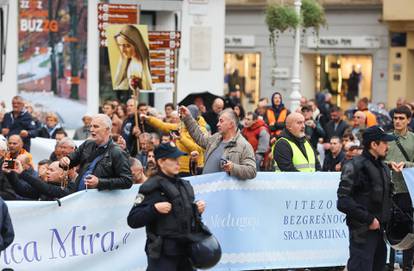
{"x":226,"y":150}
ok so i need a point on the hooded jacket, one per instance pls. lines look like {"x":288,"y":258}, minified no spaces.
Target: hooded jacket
{"x":275,"y":116}
{"x":255,"y":133}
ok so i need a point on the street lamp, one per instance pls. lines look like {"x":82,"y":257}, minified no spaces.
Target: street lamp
{"x":295,"y":95}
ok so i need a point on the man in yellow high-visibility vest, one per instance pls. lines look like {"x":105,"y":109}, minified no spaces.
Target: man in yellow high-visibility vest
{"x":293,"y":152}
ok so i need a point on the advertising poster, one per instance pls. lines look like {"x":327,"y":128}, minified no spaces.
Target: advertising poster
{"x":129,"y":56}
{"x":52,"y":67}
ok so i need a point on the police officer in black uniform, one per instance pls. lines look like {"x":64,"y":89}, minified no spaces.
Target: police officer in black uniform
{"x":165,"y":206}
{"x":364,"y":195}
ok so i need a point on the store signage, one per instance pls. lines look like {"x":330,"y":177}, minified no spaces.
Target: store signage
{"x":346,"y":42}
{"x":115,"y":14}
{"x":280,"y":73}
{"x":163,"y":45}
{"x":239,"y":41}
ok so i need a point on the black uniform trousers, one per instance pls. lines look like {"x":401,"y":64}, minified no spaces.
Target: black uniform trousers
{"x":169,"y":263}
{"x":403,"y":201}
{"x":369,"y":255}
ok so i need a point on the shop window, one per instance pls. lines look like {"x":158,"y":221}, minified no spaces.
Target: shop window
{"x":346,"y":77}
{"x":398,"y":39}
{"x":242,"y":78}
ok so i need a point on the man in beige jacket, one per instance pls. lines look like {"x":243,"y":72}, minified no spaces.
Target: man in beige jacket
{"x":226,"y":150}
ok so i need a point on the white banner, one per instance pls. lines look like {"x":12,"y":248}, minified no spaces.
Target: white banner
{"x":87,"y":232}
{"x":277,"y":220}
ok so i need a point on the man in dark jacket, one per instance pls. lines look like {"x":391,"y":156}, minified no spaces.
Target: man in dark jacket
{"x":336,"y":126}
{"x":32,"y":187}
{"x":364,"y":195}
{"x":6,"y":227}
{"x":102,"y":163}
{"x":334,"y":158}
{"x":212,"y":116}
{"x":165,"y":206}
{"x":292,"y":152}
{"x":19,"y":122}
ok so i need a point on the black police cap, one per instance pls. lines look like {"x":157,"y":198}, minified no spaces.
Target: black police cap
{"x":167,"y":150}
{"x":375,"y":133}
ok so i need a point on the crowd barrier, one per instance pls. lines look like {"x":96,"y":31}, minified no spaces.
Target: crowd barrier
{"x":284,"y":220}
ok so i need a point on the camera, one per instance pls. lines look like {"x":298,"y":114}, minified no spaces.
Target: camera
{"x":175,"y":133}
{"x":10,"y":163}
{"x":223,"y":162}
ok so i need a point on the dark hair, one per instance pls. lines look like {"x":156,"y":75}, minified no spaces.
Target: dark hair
{"x":61,"y":131}
{"x":367,"y":145}
{"x":336,"y":137}
{"x":141,"y":104}
{"x":306,"y":108}
{"x":254,"y":115}
{"x":44,"y":162}
{"x":110,"y":103}
{"x":169,"y":105}
{"x":403,"y":110}
{"x":335,"y":109}
{"x":348,"y":134}
{"x":165,"y":134}
{"x":242,"y":112}
{"x":115,"y":137}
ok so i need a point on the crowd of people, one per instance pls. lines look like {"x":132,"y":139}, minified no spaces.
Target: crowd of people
{"x":120,"y":143}
{"x":318,"y":136}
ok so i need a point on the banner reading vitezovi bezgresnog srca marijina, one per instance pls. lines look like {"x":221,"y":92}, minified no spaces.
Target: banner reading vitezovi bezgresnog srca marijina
{"x":274,"y":221}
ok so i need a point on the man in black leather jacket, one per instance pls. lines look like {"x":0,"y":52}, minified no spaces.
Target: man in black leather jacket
{"x":364,"y":195}
{"x":165,"y":206}
{"x":102,"y":163}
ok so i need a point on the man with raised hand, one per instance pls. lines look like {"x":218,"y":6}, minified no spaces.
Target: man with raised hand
{"x":102,"y":163}
{"x":226,"y":150}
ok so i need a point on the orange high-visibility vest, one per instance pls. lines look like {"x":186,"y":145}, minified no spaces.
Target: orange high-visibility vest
{"x":272,"y":120}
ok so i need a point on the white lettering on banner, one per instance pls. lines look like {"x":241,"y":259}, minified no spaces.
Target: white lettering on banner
{"x":280,"y":220}
{"x":230,"y":221}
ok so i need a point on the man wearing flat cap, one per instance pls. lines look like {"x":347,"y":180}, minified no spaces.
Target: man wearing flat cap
{"x":165,"y":206}
{"x":364,"y":195}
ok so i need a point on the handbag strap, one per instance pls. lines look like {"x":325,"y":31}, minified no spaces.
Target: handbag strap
{"x":402,"y":149}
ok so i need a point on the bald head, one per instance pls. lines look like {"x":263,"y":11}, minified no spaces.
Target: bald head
{"x":360,"y":118}
{"x":218,"y":105}
{"x":15,"y":144}
{"x":295,"y":124}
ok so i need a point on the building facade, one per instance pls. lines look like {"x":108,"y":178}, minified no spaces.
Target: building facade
{"x":399,"y":17}
{"x":200,"y":57}
{"x":355,"y":39}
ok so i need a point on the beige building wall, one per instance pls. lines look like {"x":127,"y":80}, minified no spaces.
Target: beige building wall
{"x":399,"y":16}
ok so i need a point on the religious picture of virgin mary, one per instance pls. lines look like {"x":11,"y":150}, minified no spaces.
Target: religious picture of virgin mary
{"x":129,"y":57}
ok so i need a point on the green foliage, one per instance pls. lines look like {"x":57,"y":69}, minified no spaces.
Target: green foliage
{"x":313,"y":14}
{"x":280,"y":18}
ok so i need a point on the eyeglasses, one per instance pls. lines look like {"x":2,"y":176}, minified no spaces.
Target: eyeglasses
{"x":400,"y":118}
